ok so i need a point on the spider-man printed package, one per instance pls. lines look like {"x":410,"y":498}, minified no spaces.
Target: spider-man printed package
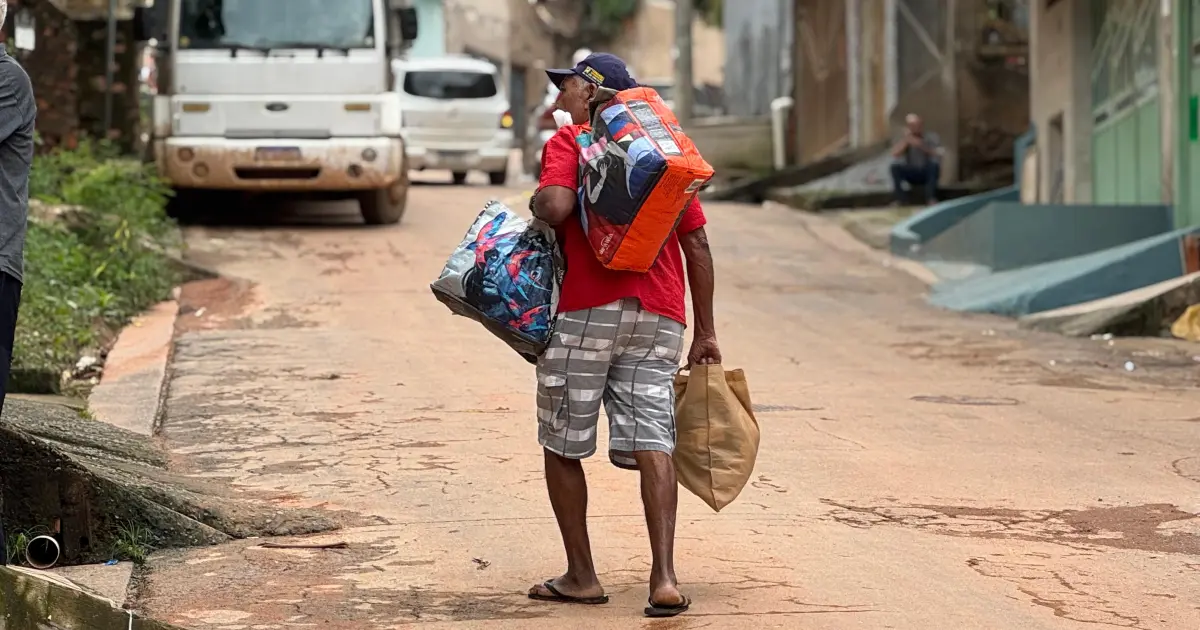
{"x":638,"y":173}
{"x":505,"y":275}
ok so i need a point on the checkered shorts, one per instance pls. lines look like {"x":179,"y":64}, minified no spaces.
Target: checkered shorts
{"x":622,"y":357}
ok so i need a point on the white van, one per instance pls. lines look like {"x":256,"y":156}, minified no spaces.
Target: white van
{"x":455,"y":116}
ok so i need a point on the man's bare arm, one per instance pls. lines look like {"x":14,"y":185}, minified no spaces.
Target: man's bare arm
{"x":553,"y":204}
{"x":702,"y":280}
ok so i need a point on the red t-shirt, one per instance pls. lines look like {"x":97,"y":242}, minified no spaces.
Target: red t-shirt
{"x":588,"y":283}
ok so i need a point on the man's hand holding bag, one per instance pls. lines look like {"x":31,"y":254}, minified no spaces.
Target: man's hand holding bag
{"x":717,"y":434}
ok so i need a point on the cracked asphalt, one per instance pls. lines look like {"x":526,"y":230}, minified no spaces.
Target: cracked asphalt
{"x":919,"y":469}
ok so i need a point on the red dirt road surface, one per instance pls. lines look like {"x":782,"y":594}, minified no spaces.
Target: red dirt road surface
{"x":919,"y":469}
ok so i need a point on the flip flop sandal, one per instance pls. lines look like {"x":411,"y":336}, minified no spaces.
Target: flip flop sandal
{"x":561,"y":598}
{"x":659,"y":611}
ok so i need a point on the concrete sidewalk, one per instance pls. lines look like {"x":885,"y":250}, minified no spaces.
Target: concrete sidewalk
{"x":919,"y":469}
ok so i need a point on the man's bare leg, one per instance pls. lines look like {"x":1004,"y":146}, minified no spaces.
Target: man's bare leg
{"x":660,"y":496}
{"x":567,"y":486}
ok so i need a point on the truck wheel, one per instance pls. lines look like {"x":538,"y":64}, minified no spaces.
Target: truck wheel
{"x":498,"y":179}
{"x":460,"y":178}
{"x":384,"y":206}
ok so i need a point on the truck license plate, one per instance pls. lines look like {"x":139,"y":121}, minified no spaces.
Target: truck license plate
{"x":443,"y":157}
{"x":276,"y":154}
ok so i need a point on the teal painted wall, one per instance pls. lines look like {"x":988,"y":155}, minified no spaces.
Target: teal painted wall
{"x":431,"y":29}
{"x":1127,"y":157}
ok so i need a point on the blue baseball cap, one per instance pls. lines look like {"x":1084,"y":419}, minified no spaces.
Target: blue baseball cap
{"x":602,"y":69}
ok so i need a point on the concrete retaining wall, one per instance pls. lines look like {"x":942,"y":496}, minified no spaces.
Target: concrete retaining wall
{"x":734,"y":145}
{"x":1008,"y":235}
{"x":32,"y":601}
{"x":910,"y":235}
{"x":1022,"y":291}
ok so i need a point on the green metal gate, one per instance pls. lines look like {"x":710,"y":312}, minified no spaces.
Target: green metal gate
{"x":1127,"y":137}
{"x":1189,"y":213}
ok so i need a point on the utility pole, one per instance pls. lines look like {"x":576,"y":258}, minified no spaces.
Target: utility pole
{"x":110,"y":51}
{"x":684,"y":89}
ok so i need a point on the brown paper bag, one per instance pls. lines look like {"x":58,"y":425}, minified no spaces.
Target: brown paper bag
{"x":716,"y":433}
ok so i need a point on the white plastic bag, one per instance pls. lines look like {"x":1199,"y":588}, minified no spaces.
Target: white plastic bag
{"x":506,"y":275}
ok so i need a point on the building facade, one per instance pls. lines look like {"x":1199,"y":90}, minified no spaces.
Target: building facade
{"x":860,"y":66}
{"x":758,"y":60}
{"x":1114,"y":103}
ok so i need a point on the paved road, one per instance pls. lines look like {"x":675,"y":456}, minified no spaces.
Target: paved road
{"x":919,"y":469}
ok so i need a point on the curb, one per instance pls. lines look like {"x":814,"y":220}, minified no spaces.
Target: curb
{"x":133,"y":387}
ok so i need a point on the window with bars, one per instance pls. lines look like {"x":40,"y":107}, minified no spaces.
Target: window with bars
{"x":1124,"y":54}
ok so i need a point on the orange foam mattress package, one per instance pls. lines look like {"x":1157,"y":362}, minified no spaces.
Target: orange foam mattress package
{"x":638,"y":174}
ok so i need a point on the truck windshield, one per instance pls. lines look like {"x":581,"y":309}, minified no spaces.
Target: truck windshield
{"x":450,"y":84}
{"x":266,"y":24}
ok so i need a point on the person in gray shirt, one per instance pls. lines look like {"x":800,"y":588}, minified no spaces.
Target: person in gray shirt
{"x":17,"y":114}
{"x":916,"y":160}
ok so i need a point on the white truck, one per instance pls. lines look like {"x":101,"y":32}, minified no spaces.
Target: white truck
{"x":289,"y":96}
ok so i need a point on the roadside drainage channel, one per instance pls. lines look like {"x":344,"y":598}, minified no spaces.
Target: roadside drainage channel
{"x":31,"y":599}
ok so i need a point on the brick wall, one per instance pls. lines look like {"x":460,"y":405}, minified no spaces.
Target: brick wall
{"x":92,"y":45}
{"x":52,"y":69}
{"x":66,"y":68}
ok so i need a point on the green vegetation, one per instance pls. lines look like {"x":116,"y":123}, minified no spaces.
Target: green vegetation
{"x":710,"y":10}
{"x":134,"y":543}
{"x":89,"y":269}
{"x":17,"y":542}
{"x":604,"y":20}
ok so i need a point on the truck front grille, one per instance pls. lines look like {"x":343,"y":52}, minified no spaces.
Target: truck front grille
{"x":277,"y":172}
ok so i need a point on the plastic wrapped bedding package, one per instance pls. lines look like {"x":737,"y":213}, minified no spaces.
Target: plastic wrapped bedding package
{"x":638,"y":174}
{"x":506,"y":275}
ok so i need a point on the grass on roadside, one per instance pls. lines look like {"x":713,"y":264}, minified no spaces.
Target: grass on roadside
{"x":134,"y":543}
{"x":91,"y":272}
{"x":18,"y":541}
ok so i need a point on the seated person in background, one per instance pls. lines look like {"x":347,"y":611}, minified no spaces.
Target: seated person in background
{"x":917,"y":160}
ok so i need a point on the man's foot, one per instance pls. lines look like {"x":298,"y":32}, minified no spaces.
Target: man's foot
{"x":568,"y":590}
{"x":667,"y":595}
{"x":667,"y":601}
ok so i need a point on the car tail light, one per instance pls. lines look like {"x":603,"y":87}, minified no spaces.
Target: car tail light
{"x":506,"y":121}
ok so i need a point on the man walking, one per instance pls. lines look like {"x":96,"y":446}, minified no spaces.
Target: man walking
{"x":618,"y":341}
{"x":17,"y":113}
{"x":916,"y":160}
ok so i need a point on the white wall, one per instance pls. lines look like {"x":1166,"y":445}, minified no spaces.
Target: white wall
{"x":1060,"y":83}
{"x":431,"y":29}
